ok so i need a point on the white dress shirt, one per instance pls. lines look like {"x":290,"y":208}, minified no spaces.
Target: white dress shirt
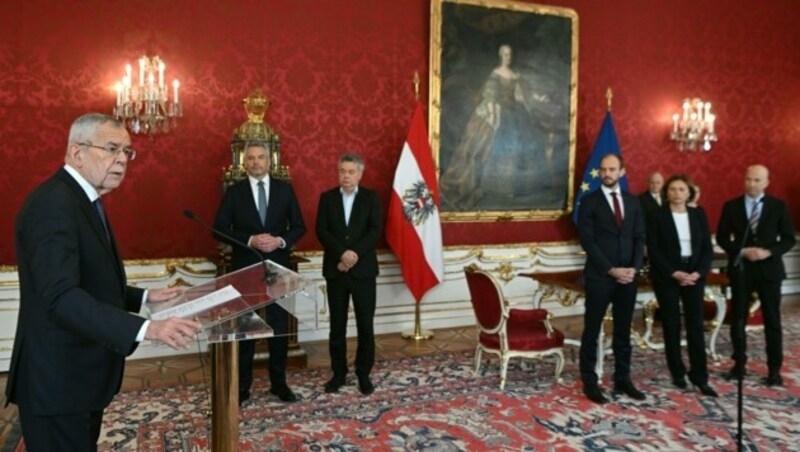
{"x":607,"y":192}
{"x":348,"y":200}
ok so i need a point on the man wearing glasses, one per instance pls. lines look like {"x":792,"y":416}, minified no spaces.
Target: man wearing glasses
{"x":77,"y":320}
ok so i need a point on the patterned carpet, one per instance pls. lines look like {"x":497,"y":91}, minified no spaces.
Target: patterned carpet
{"x":435,"y":403}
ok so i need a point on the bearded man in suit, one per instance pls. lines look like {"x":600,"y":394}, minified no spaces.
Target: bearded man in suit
{"x":756,"y":230}
{"x":612,"y":232}
{"x":349,"y":226}
{"x":262,"y":212}
{"x":77,"y":320}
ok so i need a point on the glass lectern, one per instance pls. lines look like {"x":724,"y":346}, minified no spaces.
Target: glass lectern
{"x":226,"y":307}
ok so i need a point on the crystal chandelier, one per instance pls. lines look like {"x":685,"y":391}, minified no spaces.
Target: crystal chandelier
{"x":694,"y":126}
{"x":145,"y":107}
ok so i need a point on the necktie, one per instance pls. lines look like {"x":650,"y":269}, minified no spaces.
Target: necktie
{"x":102,"y":214}
{"x":754,"y":215}
{"x":658,"y":199}
{"x":617,"y":209}
{"x":262,"y":202}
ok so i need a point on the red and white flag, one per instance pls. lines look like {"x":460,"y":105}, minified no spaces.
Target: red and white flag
{"x":413,"y":228}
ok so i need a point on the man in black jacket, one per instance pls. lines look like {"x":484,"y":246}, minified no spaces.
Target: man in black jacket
{"x":349,"y":226}
{"x":611,"y":229}
{"x":262,"y":212}
{"x":77,"y":317}
{"x":756,"y":231}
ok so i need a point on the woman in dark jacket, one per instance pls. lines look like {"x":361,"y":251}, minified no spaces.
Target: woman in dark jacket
{"x":679,"y":246}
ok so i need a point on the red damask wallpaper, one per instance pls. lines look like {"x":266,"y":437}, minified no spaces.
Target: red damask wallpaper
{"x":339,"y":76}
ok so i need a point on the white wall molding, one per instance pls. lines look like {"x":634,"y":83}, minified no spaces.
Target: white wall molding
{"x":445,"y":306}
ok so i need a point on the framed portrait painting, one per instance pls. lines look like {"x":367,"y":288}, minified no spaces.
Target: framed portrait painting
{"x":503,"y":100}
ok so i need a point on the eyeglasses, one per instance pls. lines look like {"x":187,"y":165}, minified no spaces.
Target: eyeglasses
{"x":114,"y":149}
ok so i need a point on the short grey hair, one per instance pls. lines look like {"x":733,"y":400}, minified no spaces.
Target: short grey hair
{"x":352,"y":158}
{"x":256,"y":144}
{"x":84,"y":128}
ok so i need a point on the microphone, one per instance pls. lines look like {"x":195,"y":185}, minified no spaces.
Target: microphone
{"x":269,"y":276}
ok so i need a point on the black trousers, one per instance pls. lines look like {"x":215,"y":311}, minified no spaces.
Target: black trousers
{"x":599,"y":293}
{"x":278,"y":319}
{"x":363,"y":293}
{"x":744,"y":281}
{"x":670,"y":296}
{"x":73,"y":432}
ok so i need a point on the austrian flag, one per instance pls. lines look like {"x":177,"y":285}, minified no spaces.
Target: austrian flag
{"x":413,"y":228}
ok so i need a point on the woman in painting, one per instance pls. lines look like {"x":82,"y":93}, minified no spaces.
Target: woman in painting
{"x":497,"y":155}
{"x":679,"y":246}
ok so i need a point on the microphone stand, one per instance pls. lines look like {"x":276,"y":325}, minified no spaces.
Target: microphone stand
{"x":736,"y":318}
{"x":269,"y":276}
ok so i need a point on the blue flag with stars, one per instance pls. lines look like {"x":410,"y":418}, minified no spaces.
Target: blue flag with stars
{"x":606,"y":143}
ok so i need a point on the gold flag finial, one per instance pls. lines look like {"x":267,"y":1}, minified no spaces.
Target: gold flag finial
{"x":416,"y":85}
{"x":609,"y":95}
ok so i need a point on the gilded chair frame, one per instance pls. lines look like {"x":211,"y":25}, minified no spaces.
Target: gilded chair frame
{"x":504,"y":353}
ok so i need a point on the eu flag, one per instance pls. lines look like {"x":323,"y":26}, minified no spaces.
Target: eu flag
{"x":606,"y":143}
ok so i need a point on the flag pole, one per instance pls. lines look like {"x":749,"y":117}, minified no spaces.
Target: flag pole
{"x":418,"y":334}
{"x":609,"y":96}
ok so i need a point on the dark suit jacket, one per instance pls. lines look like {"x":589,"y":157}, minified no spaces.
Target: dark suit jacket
{"x":238,"y":217}
{"x":607,"y":245}
{"x":360,"y":235}
{"x":774,"y":232}
{"x":75,"y":324}
{"x":664,"y":248}
{"x":650,"y":208}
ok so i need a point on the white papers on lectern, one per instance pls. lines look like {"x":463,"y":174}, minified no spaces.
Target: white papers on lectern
{"x":200,"y":304}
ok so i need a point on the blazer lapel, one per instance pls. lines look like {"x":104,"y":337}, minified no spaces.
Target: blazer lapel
{"x":767,"y":210}
{"x":695,"y":232}
{"x":338,"y":203}
{"x":609,"y":211}
{"x":741,"y":212}
{"x":357,"y":207}
{"x":93,"y":218}
{"x":673,"y":231}
{"x":117,"y":259}
{"x":627,"y":201}
{"x":246,"y":194}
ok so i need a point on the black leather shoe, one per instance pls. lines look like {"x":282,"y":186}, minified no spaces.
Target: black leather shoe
{"x":774,"y":379}
{"x":679,"y":382}
{"x":734,"y":373}
{"x":284,"y":393}
{"x":244,"y":396}
{"x":707,"y":390}
{"x":365,"y":386}
{"x":334,"y":384}
{"x":627,"y":388}
{"x":593,"y":393}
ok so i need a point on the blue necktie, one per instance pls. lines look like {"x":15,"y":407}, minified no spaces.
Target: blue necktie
{"x":754,"y":215}
{"x":262,"y":202}
{"x":102,"y":213}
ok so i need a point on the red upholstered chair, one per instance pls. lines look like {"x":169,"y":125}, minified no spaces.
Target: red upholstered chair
{"x":510,"y":333}
{"x":755,"y":318}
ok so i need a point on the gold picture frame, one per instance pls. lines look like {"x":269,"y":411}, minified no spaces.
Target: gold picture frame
{"x":503,"y":102}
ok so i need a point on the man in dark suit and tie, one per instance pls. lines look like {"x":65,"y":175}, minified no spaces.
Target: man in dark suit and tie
{"x":349,"y":226}
{"x":611,"y":229}
{"x":756,"y":231}
{"x":651,"y":199}
{"x":77,"y":320}
{"x":263,"y":213}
